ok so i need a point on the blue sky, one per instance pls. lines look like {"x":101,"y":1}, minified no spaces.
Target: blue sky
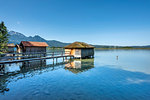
{"x":104,"y":22}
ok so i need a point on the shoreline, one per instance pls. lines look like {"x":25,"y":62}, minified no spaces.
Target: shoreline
{"x":122,"y":48}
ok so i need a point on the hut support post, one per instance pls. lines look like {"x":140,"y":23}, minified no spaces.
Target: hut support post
{"x":62,"y":53}
{"x":44,"y":54}
{"x":53,"y":61}
{"x":53,"y":54}
{"x":41,"y":62}
{"x":56,"y":60}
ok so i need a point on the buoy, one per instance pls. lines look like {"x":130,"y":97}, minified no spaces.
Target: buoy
{"x":117,"y":57}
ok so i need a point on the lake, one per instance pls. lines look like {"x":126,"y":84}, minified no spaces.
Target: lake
{"x":111,"y":75}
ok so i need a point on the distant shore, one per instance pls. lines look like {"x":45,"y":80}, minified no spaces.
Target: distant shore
{"x":124,"y":48}
{"x":121,"y":48}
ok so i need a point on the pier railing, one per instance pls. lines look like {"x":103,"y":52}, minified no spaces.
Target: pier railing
{"x":26,"y":57}
{"x":32,"y":55}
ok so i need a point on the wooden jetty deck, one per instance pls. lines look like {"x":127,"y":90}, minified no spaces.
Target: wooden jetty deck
{"x":54,"y":56}
{"x":30,"y":59}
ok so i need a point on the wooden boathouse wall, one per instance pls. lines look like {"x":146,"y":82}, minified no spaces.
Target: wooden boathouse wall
{"x":80,"y":50}
{"x":34,"y":49}
{"x":81,"y":53}
{"x":29,"y":47}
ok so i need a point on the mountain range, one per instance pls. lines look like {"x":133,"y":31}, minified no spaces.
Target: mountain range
{"x":16,"y":38}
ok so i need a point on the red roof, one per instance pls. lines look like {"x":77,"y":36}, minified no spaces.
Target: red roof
{"x":34,"y":44}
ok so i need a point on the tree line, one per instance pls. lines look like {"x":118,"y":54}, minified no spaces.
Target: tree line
{"x":3,"y":37}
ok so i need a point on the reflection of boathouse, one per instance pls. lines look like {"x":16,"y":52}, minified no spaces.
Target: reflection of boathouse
{"x":80,"y":50}
{"x":78,"y":66}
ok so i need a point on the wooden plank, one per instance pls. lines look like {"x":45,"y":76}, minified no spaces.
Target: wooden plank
{"x":26,"y":55}
{"x":35,"y":52}
{"x":22,"y":60}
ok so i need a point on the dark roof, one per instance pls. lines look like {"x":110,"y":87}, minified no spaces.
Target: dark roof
{"x":34,"y":44}
{"x":78,"y":45}
{"x":11,"y":45}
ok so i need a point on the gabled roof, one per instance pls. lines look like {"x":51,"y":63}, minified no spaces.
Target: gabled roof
{"x":11,"y":45}
{"x":34,"y":44}
{"x":78,"y":45}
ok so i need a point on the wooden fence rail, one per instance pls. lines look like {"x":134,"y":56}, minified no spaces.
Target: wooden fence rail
{"x":33,"y":53}
{"x":37,"y":54}
{"x":33,"y":56}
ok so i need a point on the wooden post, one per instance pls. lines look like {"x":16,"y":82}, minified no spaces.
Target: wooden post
{"x":44,"y":54}
{"x":13,"y":54}
{"x":62,"y":53}
{"x":53,"y":54}
{"x":56,"y":60}
{"x":53,"y":61}
{"x":41,"y":61}
{"x":28,"y":63}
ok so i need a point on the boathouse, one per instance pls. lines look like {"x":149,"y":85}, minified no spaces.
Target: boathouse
{"x":29,"y":46}
{"x":80,"y":50}
{"x":11,"y":48}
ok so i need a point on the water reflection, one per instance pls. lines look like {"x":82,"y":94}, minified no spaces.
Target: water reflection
{"x":103,"y":77}
{"x":131,"y":60}
{"x":16,"y":71}
{"x":77,"y":65}
{"x":20,"y":67}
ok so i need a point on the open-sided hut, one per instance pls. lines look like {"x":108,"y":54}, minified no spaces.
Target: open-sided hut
{"x":28,"y":46}
{"x":80,"y":50}
{"x":11,"y":48}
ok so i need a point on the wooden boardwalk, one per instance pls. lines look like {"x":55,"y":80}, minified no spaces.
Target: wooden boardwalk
{"x":54,"y":56}
{"x":31,"y":59}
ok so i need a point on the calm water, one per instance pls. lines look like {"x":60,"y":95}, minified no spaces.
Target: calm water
{"x":106,"y":77}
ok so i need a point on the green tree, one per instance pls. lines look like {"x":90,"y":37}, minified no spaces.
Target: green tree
{"x":3,"y":37}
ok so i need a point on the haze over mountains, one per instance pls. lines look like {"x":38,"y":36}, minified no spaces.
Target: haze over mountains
{"x":16,"y":38}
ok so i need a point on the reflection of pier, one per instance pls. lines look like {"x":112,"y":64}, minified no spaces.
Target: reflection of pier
{"x":77,"y":65}
{"x":16,"y":71}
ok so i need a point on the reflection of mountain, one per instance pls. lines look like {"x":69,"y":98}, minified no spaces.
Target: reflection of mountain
{"x":78,"y":66}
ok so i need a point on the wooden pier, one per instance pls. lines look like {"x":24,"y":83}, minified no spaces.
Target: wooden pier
{"x":53,"y":55}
